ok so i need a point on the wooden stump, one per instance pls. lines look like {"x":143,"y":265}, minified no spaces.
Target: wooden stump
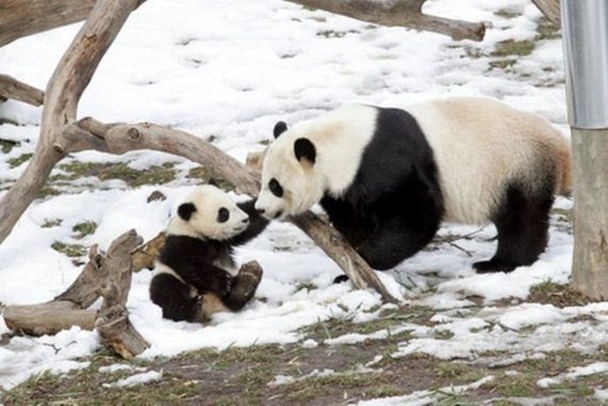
{"x":107,"y":275}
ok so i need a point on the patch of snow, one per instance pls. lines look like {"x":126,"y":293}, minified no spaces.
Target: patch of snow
{"x":137,"y":379}
{"x":576,"y":372}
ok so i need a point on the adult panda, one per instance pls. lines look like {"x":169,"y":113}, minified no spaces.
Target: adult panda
{"x":195,"y":274}
{"x":387,"y":177}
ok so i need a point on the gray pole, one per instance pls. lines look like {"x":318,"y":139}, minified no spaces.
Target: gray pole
{"x":585,"y":35}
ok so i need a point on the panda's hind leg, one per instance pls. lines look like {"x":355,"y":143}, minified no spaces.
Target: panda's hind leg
{"x":174,"y":298}
{"x":244,"y":286}
{"x":522,"y":223}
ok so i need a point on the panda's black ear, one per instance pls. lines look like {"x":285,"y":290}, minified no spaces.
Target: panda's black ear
{"x":304,"y":149}
{"x":279,"y":128}
{"x":185,"y":211}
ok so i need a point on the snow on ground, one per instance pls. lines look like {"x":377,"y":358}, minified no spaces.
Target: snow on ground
{"x":229,"y":70}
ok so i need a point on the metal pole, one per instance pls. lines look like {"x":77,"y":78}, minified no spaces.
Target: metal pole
{"x":585,"y":34}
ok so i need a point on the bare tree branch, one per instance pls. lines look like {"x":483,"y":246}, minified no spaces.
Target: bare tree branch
{"x":20,"y":18}
{"x":399,"y":13}
{"x":69,"y":80}
{"x":11,"y":88}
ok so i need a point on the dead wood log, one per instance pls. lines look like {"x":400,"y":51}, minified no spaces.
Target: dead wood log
{"x":107,"y":275}
{"x":145,"y":255}
{"x":399,"y":13}
{"x":48,"y":318}
{"x":551,"y":10}
{"x":11,"y":88}
{"x":113,"y":325}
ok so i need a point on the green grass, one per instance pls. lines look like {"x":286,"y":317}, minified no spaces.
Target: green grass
{"x":70,"y":250}
{"x":84,"y":229}
{"x":48,"y":223}
{"x":154,"y":175}
{"x":7,"y":146}
{"x":313,"y":387}
{"x":511,"y":47}
{"x":207,"y":176}
{"x":335,"y":34}
{"x":18,"y":161}
{"x":546,"y":30}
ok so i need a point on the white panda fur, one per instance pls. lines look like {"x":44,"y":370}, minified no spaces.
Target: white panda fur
{"x":469,"y":157}
{"x":195,"y":274}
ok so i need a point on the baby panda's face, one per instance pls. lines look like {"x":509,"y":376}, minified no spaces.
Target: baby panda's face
{"x":290,"y":182}
{"x":210,"y":213}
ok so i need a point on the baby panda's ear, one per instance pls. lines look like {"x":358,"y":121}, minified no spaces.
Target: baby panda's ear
{"x":185,"y":211}
{"x":279,"y":128}
{"x":304,"y":149}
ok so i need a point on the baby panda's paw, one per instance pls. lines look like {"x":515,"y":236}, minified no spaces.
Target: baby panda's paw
{"x":221,"y":283}
{"x":252,"y":270}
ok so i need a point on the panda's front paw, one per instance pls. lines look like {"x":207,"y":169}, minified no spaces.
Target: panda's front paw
{"x":222,"y":283}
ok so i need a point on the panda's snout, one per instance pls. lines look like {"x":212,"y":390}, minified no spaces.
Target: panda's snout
{"x":245,"y":220}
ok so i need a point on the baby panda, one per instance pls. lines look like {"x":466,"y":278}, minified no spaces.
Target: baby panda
{"x":195,"y":274}
{"x":387,"y":177}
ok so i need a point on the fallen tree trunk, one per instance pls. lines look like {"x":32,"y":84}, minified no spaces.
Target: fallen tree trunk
{"x":399,"y":13}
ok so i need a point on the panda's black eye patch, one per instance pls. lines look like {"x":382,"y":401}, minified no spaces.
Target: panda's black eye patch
{"x":223,"y":215}
{"x":275,"y":187}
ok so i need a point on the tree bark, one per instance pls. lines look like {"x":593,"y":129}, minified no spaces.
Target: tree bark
{"x":63,"y":92}
{"x":144,"y":256}
{"x":11,"y":88}
{"x":113,"y":325}
{"x":399,"y":13}
{"x":20,"y":18}
{"x":48,"y":318}
{"x":590,"y":258}
{"x":551,"y":10}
